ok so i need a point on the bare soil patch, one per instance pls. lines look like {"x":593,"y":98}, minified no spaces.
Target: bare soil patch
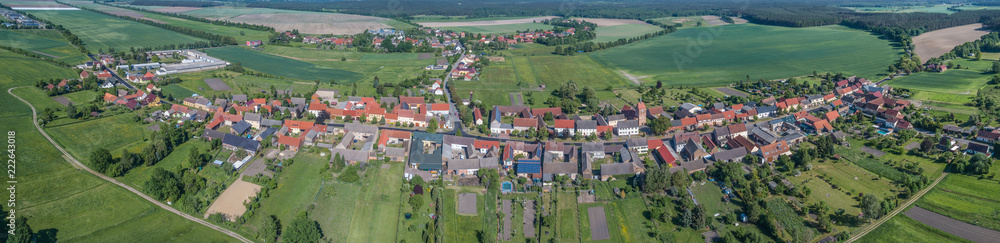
{"x":175,"y":9}
{"x":338,"y":24}
{"x":497,"y":59}
{"x":635,"y":79}
{"x":601,"y":22}
{"x":598,"y":224}
{"x":62,"y":100}
{"x":716,"y":20}
{"x":484,"y":22}
{"x":938,"y":42}
{"x":230,"y":203}
{"x":217,"y":84}
{"x":874,"y":152}
{"x":732,"y":92}
{"x":529,"y":219}
{"x":467,"y":203}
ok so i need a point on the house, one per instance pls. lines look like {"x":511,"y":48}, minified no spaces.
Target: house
{"x":948,"y":144}
{"x":586,"y":127}
{"x":564,"y":127}
{"x":639,"y":145}
{"x":988,"y":136}
{"x":769,"y":153}
{"x":628,"y":128}
{"x":291,"y":143}
{"x":731,"y":155}
{"x":233,"y":142}
{"x":978,"y":148}
{"x":593,"y":150}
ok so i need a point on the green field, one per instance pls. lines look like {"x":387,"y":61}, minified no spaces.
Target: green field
{"x":112,"y":133}
{"x":81,"y":97}
{"x":377,"y":205}
{"x":45,"y":41}
{"x":312,"y":54}
{"x":967,"y":199}
{"x":903,"y":229}
{"x":568,"y":223}
{"x":938,"y":8}
{"x":689,"y":21}
{"x":613,"y":33}
{"x":460,"y":228}
{"x":501,"y":78}
{"x":247,"y":35}
{"x":721,"y":55}
{"x":100,"y":31}
{"x":71,"y":203}
{"x":498,"y":29}
{"x":442,"y":18}
{"x":281,"y":66}
{"x":951,"y":81}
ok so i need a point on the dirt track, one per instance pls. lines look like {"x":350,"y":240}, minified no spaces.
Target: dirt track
{"x":939,"y":42}
{"x":484,"y":23}
{"x":952,"y":226}
{"x":78,"y":164}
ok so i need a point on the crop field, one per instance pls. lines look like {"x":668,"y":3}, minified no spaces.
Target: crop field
{"x":689,"y":21}
{"x":100,"y":31}
{"x":967,"y":199}
{"x":286,"y":20}
{"x":281,"y":66}
{"x":377,"y":205}
{"x":463,"y":22}
{"x":502,"y":28}
{"x":307,"y":54}
{"x":247,"y":35}
{"x":903,"y":229}
{"x":112,"y":133}
{"x":40,"y":100}
{"x":47,"y":42}
{"x":939,"y":42}
{"x":942,"y":97}
{"x":723,"y":54}
{"x":81,"y":97}
{"x":77,"y":205}
{"x":500,"y":78}
{"x":962,"y":82}
{"x":937,"y":8}
{"x":615,"y":32}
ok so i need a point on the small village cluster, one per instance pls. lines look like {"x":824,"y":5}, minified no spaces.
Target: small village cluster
{"x":15,"y":19}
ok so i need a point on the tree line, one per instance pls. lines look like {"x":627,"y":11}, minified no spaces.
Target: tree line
{"x":73,"y":39}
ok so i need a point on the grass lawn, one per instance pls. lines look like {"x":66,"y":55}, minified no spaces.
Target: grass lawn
{"x":503,"y":28}
{"x":378,"y":205}
{"x":628,"y":218}
{"x":966,"y":198}
{"x":100,"y":31}
{"x":613,"y":33}
{"x":613,"y":230}
{"x":962,"y":82}
{"x":732,"y":52}
{"x":460,"y":228}
{"x":709,"y":196}
{"x":81,"y":97}
{"x":850,"y":177}
{"x":942,"y":97}
{"x":413,"y":228}
{"x":903,"y":229}
{"x":112,"y":133}
{"x":69,"y":201}
{"x":568,"y":223}
{"x":49,"y":42}
{"x":40,"y":100}
{"x":824,"y":192}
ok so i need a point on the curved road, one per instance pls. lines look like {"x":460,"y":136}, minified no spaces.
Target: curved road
{"x":75,"y":163}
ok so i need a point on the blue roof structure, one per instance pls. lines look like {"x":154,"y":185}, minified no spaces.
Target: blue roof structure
{"x":526,"y":166}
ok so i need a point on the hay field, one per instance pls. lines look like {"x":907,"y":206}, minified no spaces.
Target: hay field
{"x":952,"y":81}
{"x":286,"y":20}
{"x":731,"y":52}
{"x":230,"y":203}
{"x":939,"y":42}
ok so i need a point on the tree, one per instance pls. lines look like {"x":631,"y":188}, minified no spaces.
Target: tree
{"x":163,"y":185}
{"x":699,"y":217}
{"x":271,"y":229}
{"x":432,"y":125}
{"x":101,"y":159}
{"x":71,"y":111}
{"x":996,"y":67}
{"x":416,"y":201}
{"x":979,"y":164}
{"x":302,"y":230}
{"x":22,"y":231}
{"x":871,"y":207}
{"x":687,"y":218}
{"x":195,"y":158}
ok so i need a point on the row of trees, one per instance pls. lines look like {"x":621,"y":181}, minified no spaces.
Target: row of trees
{"x":241,"y":25}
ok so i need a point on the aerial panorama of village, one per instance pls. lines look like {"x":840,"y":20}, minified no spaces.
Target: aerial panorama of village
{"x":500,"y":121}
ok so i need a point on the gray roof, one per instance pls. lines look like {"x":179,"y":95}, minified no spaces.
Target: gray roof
{"x":251,"y":117}
{"x":586,"y":124}
{"x":721,"y":131}
{"x":560,"y":168}
{"x":731,"y":154}
{"x":213,"y":134}
{"x":699,"y":164}
{"x":689,"y":106}
{"x":240,"y":98}
{"x":466,"y":141}
{"x":617,"y":169}
{"x":766,"y":109}
{"x":240,"y":142}
{"x":463,"y":164}
{"x":593,"y":147}
{"x":350,"y":155}
{"x":628,"y":124}
{"x":616,"y":117}
{"x":361,"y":128}
{"x":432,"y":161}
{"x":636,"y":142}
{"x":241,"y":127}
{"x":298,"y":101}
{"x":269,"y":122}
{"x":266,"y":132}
{"x":395,"y":152}
{"x":763,"y":135}
{"x":793,"y":135}
{"x":389,"y":100}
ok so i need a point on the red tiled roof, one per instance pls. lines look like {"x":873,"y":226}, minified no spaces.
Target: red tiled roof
{"x":483,"y":144}
{"x":564,"y":123}
{"x":290,"y":141}
{"x":525,"y":122}
{"x":439,"y":107}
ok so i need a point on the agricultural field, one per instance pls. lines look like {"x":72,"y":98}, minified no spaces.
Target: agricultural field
{"x":247,"y":35}
{"x":45,"y":42}
{"x":426,"y":19}
{"x":500,"y":29}
{"x":69,"y":203}
{"x":308,"y":54}
{"x":99,"y":31}
{"x":113,"y":133}
{"x":939,"y":42}
{"x":377,"y":205}
{"x":967,"y":199}
{"x":937,"y":8}
{"x":903,"y":229}
{"x":615,"y":32}
{"x":960,"y":82}
{"x":280,"y":66}
{"x":459,"y":228}
{"x":390,"y":68}
{"x":735,"y":51}
{"x":286,"y":20}
{"x":689,"y":21}
{"x":481,"y":21}
{"x":526,"y":73}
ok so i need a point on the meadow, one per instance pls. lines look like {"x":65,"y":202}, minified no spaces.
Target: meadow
{"x":962,"y":82}
{"x":613,"y":33}
{"x":377,"y":205}
{"x":459,"y":228}
{"x":99,"y":31}
{"x":305,"y":21}
{"x":568,"y":223}
{"x":49,"y":42}
{"x":112,"y":133}
{"x":689,"y":21}
{"x":965,"y":198}
{"x":711,"y":56}
{"x":499,"y":29}
{"x":903,"y":229}
{"x":69,"y":203}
